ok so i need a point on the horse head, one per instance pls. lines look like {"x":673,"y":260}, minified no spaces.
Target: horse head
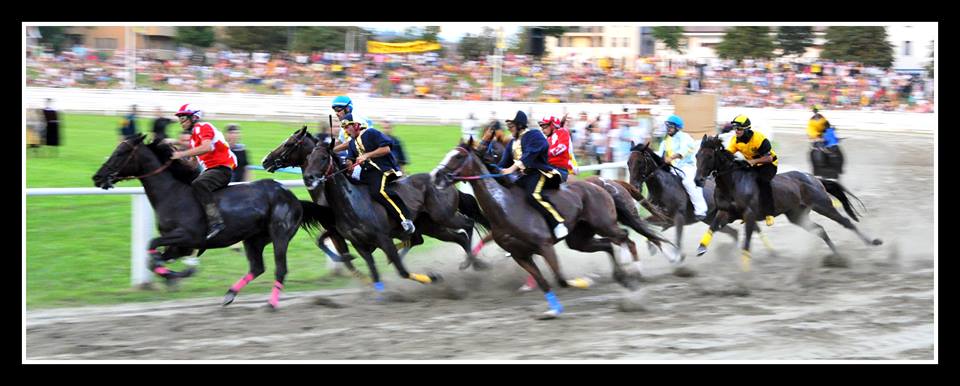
{"x":459,"y":161}
{"x":642,"y":163}
{"x":320,"y":165}
{"x":289,"y":153}
{"x":123,"y":162}
{"x":712,"y":157}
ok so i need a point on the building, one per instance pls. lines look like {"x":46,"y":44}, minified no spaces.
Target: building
{"x":115,"y":38}
{"x":912,"y":45}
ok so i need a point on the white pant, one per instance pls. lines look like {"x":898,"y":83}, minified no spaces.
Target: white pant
{"x":695,"y":192}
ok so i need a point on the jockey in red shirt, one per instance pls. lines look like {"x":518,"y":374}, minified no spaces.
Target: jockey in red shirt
{"x":211,"y":148}
{"x":560,"y":154}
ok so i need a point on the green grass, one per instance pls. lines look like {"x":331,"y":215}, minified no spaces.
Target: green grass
{"x":78,"y":247}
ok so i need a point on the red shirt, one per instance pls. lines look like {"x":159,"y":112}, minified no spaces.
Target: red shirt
{"x":221,"y":154}
{"x":560,"y":148}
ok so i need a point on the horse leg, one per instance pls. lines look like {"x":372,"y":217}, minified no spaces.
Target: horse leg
{"x":801,"y":217}
{"x":748,"y":232}
{"x":462,"y":239}
{"x":581,"y":239}
{"x":830,"y":212}
{"x":678,"y":220}
{"x":526,"y":262}
{"x":253,"y":247}
{"x":651,"y":246}
{"x":719,"y":221}
{"x":156,"y":259}
{"x":386,"y":245}
{"x":365,"y":253}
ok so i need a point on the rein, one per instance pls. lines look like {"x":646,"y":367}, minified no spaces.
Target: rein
{"x":133,"y":154}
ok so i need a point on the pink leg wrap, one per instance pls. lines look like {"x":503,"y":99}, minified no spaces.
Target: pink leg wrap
{"x":242,"y":282}
{"x":476,"y":249}
{"x":161,"y":270}
{"x":531,"y":282}
{"x":275,"y":295}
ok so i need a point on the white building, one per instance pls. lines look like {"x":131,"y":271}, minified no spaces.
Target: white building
{"x":912,"y":45}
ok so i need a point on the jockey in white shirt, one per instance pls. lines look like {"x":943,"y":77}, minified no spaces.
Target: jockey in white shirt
{"x":679,"y":150}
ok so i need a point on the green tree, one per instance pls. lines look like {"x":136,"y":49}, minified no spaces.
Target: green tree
{"x":195,"y":36}
{"x":672,"y":37}
{"x":430,"y":33}
{"x":746,"y":42}
{"x":55,"y":37}
{"x":477,"y":46}
{"x":866,"y":45}
{"x":794,"y":40}
{"x":306,"y":39}
{"x":270,"y":39}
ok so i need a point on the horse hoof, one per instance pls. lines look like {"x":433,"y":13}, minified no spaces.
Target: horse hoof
{"x":465,"y":264}
{"x":273,"y":305}
{"x":653,"y":249}
{"x":229,"y":297}
{"x":551,"y":314}
{"x":701,"y":250}
{"x":480,"y":265}
{"x":877,"y":241}
{"x":435,"y":277}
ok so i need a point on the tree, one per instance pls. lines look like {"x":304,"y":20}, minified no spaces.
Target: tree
{"x":866,"y":45}
{"x":55,"y":37}
{"x":477,"y":46}
{"x":195,"y":36}
{"x":671,"y":37}
{"x":269,"y":39}
{"x":430,"y":33}
{"x":306,"y":39}
{"x":930,"y":65}
{"x":746,"y":42}
{"x":794,"y":40}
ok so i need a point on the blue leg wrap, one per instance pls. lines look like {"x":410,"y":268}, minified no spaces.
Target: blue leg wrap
{"x":553,"y":302}
{"x":378,"y":286}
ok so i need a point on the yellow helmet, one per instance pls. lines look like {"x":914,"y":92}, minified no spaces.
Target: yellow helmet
{"x":740,"y":121}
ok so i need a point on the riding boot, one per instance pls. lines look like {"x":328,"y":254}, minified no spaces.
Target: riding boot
{"x":214,"y":220}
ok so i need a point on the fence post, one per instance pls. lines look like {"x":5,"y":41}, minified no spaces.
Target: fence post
{"x":141,"y":232}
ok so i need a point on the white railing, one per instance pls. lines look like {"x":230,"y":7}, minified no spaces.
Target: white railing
{"x":314,"y":109}
{"x":142,"y":221}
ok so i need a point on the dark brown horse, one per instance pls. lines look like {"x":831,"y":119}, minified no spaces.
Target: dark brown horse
{"x":795,"y":194}
{"x":668,"y":202}
{"x":443,"y":215}
{"x":522,"y":231}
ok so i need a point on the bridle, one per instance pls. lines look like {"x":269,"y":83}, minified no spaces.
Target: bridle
{"x":133,"y":153}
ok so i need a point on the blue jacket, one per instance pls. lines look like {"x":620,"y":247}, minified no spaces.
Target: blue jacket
{"x":533,"y":155}
{"x":370,"y":140}
{"x":830,"y":137}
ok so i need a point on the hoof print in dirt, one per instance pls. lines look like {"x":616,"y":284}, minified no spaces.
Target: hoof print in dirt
{"x":684,"y":272}
{"x":326,"y":302}
{"x":836,"y":261}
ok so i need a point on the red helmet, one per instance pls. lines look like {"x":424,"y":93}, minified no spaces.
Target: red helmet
{"x":187,"y":109}
{"x":550,"y":121}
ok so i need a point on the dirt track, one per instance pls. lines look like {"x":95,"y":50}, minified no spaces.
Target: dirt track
{"x":790,"y":307}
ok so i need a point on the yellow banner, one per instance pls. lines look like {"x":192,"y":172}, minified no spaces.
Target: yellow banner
{"x":401,"y":48}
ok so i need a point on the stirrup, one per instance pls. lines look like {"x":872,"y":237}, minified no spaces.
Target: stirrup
{"x":408,"y":226}
{"x":560,"y":231}
{"x":215,"y":229}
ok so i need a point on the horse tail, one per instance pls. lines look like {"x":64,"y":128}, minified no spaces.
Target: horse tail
{"x":469,"y":206}
{"x":841,"y":193}
{"x":638,"y":196}
{"x":313,"y":216}
{"x":630,"y":218}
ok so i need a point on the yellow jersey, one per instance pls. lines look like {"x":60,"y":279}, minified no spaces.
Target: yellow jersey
{"x":755,"y":147}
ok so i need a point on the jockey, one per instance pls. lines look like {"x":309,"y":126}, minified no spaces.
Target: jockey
{"x":760,"y":155}
{"x":368,"y":144}
{"x":211,"y":148}
{"x":819,"y":129}
{"x":679,"y":150}
{"x":342,"y":105}
{"x":527,"y":152}
{"x":560,"y":153}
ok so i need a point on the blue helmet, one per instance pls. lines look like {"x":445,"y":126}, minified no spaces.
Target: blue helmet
{"x":675,"y":121}
{"x":343,"y":101}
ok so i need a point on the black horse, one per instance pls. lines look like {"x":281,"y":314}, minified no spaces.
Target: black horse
{"x":669,"y":202}
{"x":827,"y":161}
{"x":795,"y":194}
{"x":257,"y":213}
{"x":450,"y":216}
{"x":365,"y":222}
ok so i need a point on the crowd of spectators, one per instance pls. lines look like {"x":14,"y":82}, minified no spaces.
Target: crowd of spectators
{"x":779,"y":83}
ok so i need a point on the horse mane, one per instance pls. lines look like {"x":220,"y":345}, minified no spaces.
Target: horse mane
{"x":181,"y":171}
{"x":661,"y":164}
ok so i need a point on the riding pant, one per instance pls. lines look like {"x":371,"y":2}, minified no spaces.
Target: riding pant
{"x":209,"y":181}
{"x":765,"y":174}
{"x":376,"y":182}
{"x":533,"y":183}
{"x":689,"y":172}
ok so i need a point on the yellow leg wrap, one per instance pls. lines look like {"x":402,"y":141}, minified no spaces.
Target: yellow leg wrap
{"x":707,"y":237}
{"x":766,"y":242}
{"x":579,"y":283}
{"x":837,"y":204}
{"x":745,"y":261}
{"x":421,"y":278}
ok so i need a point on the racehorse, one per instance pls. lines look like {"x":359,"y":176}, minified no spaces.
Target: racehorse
{"x":452,"y":216}
{"x":669,"y":201}
{"x":258,"y":213}
{"x":795,"y":194}
{"x":365,"y":222}
{"x":522,"y":231}
{"x":827,"y":161}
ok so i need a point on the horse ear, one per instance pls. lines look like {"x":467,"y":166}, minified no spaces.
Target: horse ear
{"x":470,"y":142}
